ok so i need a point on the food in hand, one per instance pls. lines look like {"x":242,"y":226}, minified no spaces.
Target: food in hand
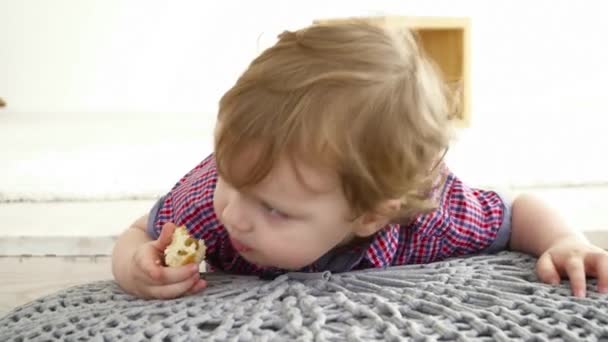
{"x":184,"y":249}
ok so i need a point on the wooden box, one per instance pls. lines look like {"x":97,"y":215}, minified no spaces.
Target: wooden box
{"x":446,"y":40}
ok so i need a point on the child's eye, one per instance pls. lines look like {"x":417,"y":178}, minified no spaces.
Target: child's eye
{"x":274,"y":212}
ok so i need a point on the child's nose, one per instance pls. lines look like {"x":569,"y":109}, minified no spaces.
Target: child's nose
{"x":235,"y":217}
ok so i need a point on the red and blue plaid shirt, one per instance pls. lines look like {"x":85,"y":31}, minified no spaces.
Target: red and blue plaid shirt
{"x":467,"y":221}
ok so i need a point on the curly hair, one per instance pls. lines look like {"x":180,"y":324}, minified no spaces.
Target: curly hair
{"x":357,"y":97}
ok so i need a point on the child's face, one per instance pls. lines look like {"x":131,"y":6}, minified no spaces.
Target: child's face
{"x":281,"y":222}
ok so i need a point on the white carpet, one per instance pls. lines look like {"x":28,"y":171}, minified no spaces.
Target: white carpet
{"x":89,"y":157}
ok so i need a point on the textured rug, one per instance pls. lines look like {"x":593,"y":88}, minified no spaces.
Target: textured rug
{"x":485,"y":298}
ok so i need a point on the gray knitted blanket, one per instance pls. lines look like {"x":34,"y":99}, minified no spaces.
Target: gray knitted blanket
{"x":486,"y":298}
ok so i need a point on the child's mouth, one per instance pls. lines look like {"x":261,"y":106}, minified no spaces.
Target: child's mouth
{"x":239,"y":246}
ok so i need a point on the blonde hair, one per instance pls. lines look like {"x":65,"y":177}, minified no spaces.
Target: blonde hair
{"x":357,"y":97}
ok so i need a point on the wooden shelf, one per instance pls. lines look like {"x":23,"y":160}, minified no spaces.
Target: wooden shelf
{"x":446,"y":40}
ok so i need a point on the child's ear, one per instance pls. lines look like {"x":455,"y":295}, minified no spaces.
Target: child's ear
{"x":371,"y":222}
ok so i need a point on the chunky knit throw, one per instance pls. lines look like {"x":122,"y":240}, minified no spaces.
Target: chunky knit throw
{"x":485,"y":298}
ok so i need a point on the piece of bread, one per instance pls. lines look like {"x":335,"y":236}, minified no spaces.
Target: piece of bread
{"x":184,"y":249}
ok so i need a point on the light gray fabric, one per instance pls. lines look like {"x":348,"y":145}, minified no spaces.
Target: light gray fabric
{"x":488,"y":298}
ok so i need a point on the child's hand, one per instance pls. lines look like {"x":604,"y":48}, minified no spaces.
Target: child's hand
{"x":154,"y":280}
{"x":576,"y":259}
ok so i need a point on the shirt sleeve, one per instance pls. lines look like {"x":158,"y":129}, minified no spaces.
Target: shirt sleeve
{"x":190,"y":204}
{"x":467,"y":221}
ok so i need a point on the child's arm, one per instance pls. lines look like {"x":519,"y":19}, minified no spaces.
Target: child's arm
{"x":538,"y":230}
{"x":138,"y":269}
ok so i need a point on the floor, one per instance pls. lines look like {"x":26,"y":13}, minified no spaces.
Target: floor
{"x":27,"y":278}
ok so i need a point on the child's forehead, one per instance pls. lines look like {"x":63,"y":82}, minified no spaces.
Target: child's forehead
{"x":304,"y":176}
{"x":290,"y":171}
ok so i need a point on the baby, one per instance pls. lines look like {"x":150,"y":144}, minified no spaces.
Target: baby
{"x":329,"y":156}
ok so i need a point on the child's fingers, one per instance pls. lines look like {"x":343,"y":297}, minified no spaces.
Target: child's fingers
{"x":602,"y":274}
{"x":166,"y":235}
{"x":575,"y":268}
{"x":154,"y":273}
{"x":173,"y":275}
{"x":148,"y":268}
{"x":173,"y":290}
{"x":596,"y":265}
{"x":546,"y":271}
{"x":197,"y":287}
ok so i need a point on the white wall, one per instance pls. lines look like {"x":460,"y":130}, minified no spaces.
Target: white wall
{"x":97,"y":90}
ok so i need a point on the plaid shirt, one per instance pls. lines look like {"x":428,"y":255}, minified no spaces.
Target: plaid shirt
{"x":467,"y":221}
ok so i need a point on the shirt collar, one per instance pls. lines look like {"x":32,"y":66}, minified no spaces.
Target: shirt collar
{"x":383,"y":248}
